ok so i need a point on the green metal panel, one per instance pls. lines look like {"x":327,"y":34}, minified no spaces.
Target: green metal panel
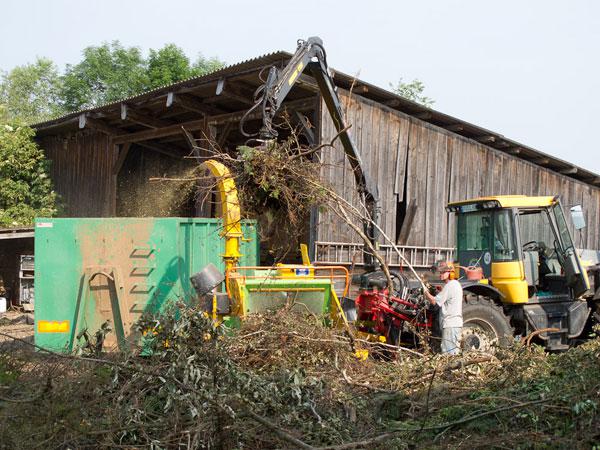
{"x":89,"y":271}
{"x":264,"y":292}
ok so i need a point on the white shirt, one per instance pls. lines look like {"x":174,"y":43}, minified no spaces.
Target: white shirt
{"x":450,"y":300}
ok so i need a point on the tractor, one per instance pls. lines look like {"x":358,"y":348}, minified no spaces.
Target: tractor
{"x":520,"y":272}
{"x":530,"y":277}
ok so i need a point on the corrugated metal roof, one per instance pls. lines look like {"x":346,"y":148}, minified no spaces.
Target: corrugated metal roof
{"x":364,"y":89}
{"x":252,"y":63}
{"x":16,"y":233}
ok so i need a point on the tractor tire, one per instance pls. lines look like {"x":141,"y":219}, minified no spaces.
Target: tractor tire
{"x":485,"y":326}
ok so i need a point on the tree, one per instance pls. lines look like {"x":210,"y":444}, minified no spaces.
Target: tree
{"x":106,"y":73}
{"x":204,"y":66}
{"x":413,"y":91}
{"x":30,"y":93}
{"x":112,"y":72}
{"x":26,"y":190}
{"x":168,"y":65}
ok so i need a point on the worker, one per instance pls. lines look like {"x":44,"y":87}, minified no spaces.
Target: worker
{"x":450,"y":300}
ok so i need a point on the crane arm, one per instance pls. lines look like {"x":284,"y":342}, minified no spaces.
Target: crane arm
{"x":310,"y":55}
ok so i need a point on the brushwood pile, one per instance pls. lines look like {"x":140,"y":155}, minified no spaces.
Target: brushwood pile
{"x":283,"y":380}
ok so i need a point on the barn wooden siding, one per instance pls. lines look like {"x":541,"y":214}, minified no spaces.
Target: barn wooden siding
{"x":441,"y":167}
{"x":81,"y":170}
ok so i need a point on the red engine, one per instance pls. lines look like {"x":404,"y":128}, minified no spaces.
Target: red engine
{"x":384,"y":315}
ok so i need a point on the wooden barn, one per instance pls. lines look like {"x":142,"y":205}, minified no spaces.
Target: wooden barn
{"x":102,"y":158}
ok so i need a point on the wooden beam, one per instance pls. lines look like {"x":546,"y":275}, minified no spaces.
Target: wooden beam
{"x":569,"y":171}
{"x":393,"y":103}
{"x":199,"y":124}
{"x":132,"y":115}
{"x":307,"y":128}
{"x":220,"y":86}
{"x":486,"y":139}
{"x":191,"y":104}
{"x":541,"y":161}
{"x":229,"y":95}
{"x":596,"y":181}
{"x":424,"y":115}
{"x":360,"y":89}
{"x":232,"y":92}
{"x":513,"y":150}
{"x":454,"y":127}
{"x":17,"y":235}
{"x":502,"y":144}
{"x":224,"y":134}
{"x":188,"y":102}
{"x":123,"y":152}
{"x":307,"y":82}
{"x":158,"y":149}
{"x":88,"y":122}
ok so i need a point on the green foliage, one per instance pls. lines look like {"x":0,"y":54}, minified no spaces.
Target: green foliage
{"x":209,"y":386}
{"x":31,"y":92}
{"x":413,"y":91}
{"x":25,"y":190}
{"x":170,"y":64}
{"x":107,"y":73}
{"x":111,"y":72}
{"x":167,"y":65}
{"x":204,"y":66}
{"x":8,"y":372}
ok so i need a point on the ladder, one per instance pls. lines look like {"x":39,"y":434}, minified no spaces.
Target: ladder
{"x":351,"y":253}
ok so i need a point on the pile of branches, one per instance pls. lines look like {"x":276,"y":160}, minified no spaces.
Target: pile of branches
{"x":279,"y":183}
{"x":279,"y":176}
{"x":283,"y":380}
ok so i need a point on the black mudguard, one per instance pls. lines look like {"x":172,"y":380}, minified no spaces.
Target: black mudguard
{"x":482,"y":289}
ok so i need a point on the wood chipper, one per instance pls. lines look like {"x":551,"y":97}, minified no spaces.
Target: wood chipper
{"x":254,"y":289}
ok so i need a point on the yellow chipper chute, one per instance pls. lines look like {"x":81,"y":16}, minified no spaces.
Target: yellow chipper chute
{"x":255,"y":289}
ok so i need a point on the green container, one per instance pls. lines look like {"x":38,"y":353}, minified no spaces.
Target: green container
{"x":90,"y":271}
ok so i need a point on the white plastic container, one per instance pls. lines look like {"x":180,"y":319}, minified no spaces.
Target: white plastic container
{"x":2,"y":305}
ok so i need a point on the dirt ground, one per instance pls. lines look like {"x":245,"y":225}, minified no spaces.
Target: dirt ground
{"x":16,"y":324}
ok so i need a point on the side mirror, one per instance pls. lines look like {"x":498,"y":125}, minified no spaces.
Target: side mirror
{"x":577,"y":217}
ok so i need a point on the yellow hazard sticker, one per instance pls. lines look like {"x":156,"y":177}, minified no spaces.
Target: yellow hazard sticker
{"x":53,"y":326}
{"x":295,"y":74}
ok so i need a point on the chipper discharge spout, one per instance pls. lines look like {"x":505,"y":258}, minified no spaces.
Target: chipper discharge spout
{"x":228,"y":195}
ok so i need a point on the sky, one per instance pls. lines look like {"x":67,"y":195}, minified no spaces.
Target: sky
{"x":529,"y":70}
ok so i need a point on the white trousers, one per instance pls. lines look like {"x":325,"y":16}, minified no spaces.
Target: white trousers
{"x":451,"y":340}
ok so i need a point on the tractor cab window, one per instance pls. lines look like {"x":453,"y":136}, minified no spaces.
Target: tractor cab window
{"x":474,"y":230}
{"x":536,"y":231}
{"x":488,"y":231}
{"x":474,"y":234}
{"x":505,"y":248}
{"x":486,"y":236}
{"x":563,"y":231}
{"x":540,"y":255}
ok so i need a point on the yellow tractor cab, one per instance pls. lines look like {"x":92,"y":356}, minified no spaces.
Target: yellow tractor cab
{"x":530,"y":277}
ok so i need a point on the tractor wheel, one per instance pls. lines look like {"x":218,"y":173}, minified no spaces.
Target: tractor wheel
{"x":485,"y":326}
